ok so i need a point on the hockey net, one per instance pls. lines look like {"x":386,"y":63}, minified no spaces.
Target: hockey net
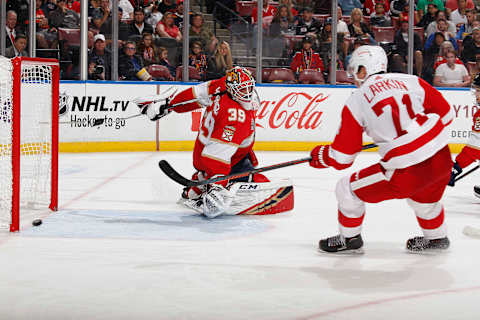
{"x":28,"y":138}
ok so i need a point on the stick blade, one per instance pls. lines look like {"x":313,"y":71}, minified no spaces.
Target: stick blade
{"x":174,"y":175}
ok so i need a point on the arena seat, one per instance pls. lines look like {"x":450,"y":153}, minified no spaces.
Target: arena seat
{"x":342,"y":77}
{"x":159,"y":72}
{"x":244,"y":8}
{"x":310,"y":76}
{"x":281,"y":75}
{"x":384,"y":34}
{"x":193,"y":73}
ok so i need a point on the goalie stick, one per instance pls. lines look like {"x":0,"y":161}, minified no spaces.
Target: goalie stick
{"x":175,"y":176}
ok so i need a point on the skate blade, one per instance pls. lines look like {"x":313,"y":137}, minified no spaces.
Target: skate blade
{"x":353,"y":252}
{"x":428,"y":252}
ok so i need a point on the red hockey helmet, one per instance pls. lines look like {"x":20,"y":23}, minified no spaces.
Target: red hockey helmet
{"x":240,"y":84}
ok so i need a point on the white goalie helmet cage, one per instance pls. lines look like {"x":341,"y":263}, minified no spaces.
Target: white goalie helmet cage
{"x":372,"y":58}
{"x":240,"y":84}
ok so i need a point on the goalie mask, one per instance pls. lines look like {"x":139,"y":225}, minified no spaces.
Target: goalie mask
{"x":240,"y":84}
{"x":475,"y":89}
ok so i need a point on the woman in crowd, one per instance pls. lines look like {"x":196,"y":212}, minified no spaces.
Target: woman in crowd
{"x":358,"y":28}
{"x":220,"y":62}
{"x":167,"y":28}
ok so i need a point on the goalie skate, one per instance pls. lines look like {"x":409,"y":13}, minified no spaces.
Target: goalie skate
{"x":250,"y":198}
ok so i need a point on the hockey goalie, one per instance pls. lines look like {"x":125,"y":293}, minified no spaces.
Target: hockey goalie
{"x":224,"y":146}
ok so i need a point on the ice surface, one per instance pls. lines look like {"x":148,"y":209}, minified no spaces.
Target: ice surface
{"x":121,"y":248}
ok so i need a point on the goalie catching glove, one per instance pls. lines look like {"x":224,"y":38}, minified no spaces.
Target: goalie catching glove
{"x":157,"y":106}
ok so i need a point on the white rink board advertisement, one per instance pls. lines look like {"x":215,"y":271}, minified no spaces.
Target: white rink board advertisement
{"x":287,"y":113}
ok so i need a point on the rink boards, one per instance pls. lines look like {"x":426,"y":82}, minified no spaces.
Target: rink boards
{"x":291,"y":117}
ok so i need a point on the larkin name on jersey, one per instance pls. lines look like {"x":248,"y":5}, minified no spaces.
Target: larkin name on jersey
{"x":403,"y":114}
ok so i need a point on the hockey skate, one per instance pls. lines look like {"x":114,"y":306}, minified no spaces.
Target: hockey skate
{"x":340,"y":244}
{"x":420,"y":244}
{"x":476,"y":191}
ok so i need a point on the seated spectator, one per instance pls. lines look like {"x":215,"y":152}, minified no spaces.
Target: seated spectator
{"x":220,"y":62}
{"x":451,"y":74}
{"x":430,"y":56}
{"x":466,"y":29}
{"x":130,"y":65}
{"x":268,"y":13}
{"x":167,"y":6}
{"x":348,"y":6}
{"x":370,"y":6}
{"x":445,"y":47}
{"x":46,"y":36}
{"x":342,"y":26}
{"x":62,"y":17}
{"x":21,"y":9}
{"x":127,"y":9}
{"x":148,"y":51}
{"x":452,"y":5}
{"x":458,"y":16}
{"x":307,"y":25}
{"x":102,"y":12}
{"x":476,"y":69}
{"x":123,"y":29}
{"x":178,"y":15}
{"x":441,"y":28}
{"x":100,"y":56}
{"x":325,"y":39}
{"x":139,"y":27}
{"x":433,"y":26}
{"x":153,"y":14}
{"x":12,"y":29}
{"x":379,"y":18}
{"x":400,"y":57}
{"x":422,"y":4}
{"x":164,"y":62}
{"x":397,"y":7}
{"x":429,"y":16}
{"x":471,"y":46}
{"x":166,"y":28}
{"x":18,"y":48}
{"x":307,"y":58}
{"x":290,"y":6}
{"x":405,"y":14}
{"x":198,"y":30}
{"x":358,"y":28}
{"x":197,"y":59}
{"x":48,"y":6}
{"x":282,"y":22}
{"x":95,"y":25}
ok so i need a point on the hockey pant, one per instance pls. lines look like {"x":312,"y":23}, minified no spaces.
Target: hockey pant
{"x":422,"y":185}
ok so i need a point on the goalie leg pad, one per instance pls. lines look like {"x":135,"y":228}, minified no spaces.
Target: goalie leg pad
{"x":262,"y":198}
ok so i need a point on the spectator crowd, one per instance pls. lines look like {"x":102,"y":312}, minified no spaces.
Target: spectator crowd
{"x":297,"y":36}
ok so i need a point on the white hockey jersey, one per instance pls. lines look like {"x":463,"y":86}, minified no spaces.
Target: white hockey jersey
{"x":403,"y":114}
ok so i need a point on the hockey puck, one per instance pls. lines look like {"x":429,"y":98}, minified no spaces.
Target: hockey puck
{"x":37,"y":222}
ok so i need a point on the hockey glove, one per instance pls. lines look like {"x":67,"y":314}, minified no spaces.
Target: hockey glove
{"x":155,"y":110}
{"x":456,"y":170}
{"x":319,"y":156}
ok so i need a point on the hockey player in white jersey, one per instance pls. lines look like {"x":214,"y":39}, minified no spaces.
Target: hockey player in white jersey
{"x":407,"y":119}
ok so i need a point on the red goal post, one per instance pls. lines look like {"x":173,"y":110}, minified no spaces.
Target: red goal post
{"x":29,"y":104}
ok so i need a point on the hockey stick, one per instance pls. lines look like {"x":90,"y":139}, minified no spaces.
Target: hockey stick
{"x":175,"y":176}
{"x":467,"y":173}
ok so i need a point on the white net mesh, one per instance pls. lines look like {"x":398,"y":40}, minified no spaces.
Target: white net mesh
{"x":35,"y":138}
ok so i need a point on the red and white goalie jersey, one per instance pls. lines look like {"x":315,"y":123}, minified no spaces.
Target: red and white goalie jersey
{"x":403,"y":114}
{"x":227,"y":131}
{"x":471,"y":151}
